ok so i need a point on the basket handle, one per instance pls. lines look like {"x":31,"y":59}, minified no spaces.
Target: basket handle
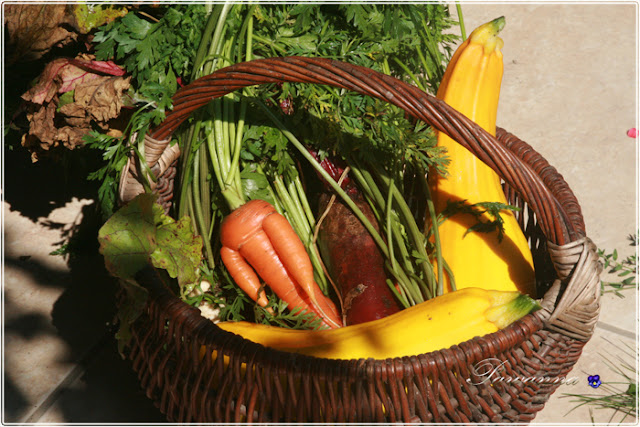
{"x":558,"y":226}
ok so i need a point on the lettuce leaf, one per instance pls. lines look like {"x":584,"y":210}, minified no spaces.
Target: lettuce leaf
{"x":140,"y":234}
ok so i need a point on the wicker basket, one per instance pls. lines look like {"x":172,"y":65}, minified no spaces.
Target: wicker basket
{"x":240,"y":381}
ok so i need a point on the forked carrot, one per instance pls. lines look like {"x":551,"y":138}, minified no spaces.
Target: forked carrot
{"x":241,"y":223}
{"x":260,"y":253}
{"x":278,"y":257}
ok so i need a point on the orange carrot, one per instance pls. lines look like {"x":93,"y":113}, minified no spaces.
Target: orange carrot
{"x":241,"y":223}
{"x":259,"y":252}
{"x":278,"y":257}
{"x":244,"y":275}
{"x":294,"y":257}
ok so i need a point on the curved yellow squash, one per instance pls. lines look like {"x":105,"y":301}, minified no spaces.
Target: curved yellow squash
{"x":432,"y":325}
{"x":471,"y":85}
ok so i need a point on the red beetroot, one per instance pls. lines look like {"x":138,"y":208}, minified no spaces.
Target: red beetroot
{"x":353,"y":258}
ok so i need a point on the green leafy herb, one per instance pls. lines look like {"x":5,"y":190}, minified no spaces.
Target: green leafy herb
{"x":154,"y":53}
{"x":297,"y":319}
{"x":114,"y":155}
{"x":61,"y":251}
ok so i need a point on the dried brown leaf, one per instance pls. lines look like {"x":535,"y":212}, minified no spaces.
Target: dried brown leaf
{"x":34,"y":29}
{"x":44,"y":135}
{"x":102,"y":97}
{"x":41,"y":129}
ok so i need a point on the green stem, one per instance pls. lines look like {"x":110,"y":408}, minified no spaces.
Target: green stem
{"x":237,"y":146}
{"x":300,"y":211}
{"x":213,"y":153}
{"x":419,"y":242}
{"x":436,"y":237}
{"x":185,"y":174}
{"x":230,"y":130}
{"x":207,"y":35}
{"x":200,"y":223}
{"x":216,"y":46}
{"x":289,"y":206}
{"x":392,"y":258}
{"x":394,"y":225}
{"x":240,"y":122}
{"x":461,"y":20}
{"x":302,"y":196}
{"x":411,"y":289}
{"x":205,"y":188}
{"x":367,"y":183}
{"x":210,"y":43}
{"x":452,"y":281}
{"x":222,"y":149}
{"x":249,"y":44}
{"x":271,"y":44}
{"x":215,"y":21}
{"x":416,"y":236}
{"x":410,"y":74}
{"x":272,"y":195}
{"x":400,"y":294}
{"x":425,"y":65}
{"x":433,"y":49}
{"x":334,"y":185}
{"x":296,"y":212}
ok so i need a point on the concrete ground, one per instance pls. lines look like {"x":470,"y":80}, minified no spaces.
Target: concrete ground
{"x":569,"y":89}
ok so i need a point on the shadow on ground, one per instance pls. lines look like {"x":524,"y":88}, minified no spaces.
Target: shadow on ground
{"x":102,"y":388}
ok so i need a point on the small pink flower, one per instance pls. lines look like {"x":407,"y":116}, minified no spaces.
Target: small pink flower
{"x":632,"y":133}
{"x":286,"y":106}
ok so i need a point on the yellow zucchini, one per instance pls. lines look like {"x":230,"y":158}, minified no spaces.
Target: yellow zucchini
{"x":432,"y":325}
{"x":471,"y":85}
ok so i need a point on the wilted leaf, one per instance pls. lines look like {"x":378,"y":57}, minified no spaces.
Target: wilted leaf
{"x":75,"y":115}
{"x":41,"y":126}
{"x":90,"y":16}
{"x":101,"y":98}
{"x":72,"y":96}
{"x":65,"y":74}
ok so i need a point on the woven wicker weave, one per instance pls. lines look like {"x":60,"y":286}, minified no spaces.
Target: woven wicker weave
{"x":178,"y":355}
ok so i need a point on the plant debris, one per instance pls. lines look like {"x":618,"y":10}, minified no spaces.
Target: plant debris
{"x":72,"y":97}
{"x":34,"y":29}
